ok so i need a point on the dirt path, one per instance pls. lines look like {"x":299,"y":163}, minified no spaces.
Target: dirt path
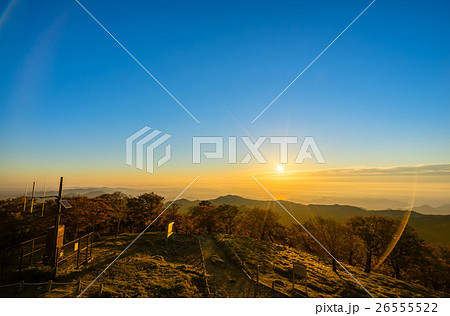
{"x":225,"y":278}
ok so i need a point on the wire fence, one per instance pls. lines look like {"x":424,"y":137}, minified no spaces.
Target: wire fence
{"x":15,"y":258}
{"x":254,"y":278}
{"x":66,"y":289}
{"x":201,"y":262}
{"x":76,"y":252}
{"x":31,"y":253}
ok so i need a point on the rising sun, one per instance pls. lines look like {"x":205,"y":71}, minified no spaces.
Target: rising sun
{"x":280,"y":168}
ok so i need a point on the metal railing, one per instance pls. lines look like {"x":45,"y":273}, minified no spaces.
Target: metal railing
{"x":14,"y":259}
{"x":76,"y":252}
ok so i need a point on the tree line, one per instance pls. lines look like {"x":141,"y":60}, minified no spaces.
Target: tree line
{"x":366,"y":242}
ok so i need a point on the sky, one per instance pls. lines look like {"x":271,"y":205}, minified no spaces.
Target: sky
{"x":376,"y":101}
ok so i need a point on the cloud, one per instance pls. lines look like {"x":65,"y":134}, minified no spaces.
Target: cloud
{"x":443,"y":169}
{"x":422,"y":170}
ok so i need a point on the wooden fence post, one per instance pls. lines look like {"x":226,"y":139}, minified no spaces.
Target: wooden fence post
{"x":257,"y":280}
{"x":2,"y":263}
{"x":306,"y":285}
{"x":79,"y":286}
{"x":100,"y":290}
{"x":293,"y":280}
{"x":50,"y":283}
{"x":32,"y":251}
{"x":92,"y":246}
{"x":87,"y":248}
{"x":55,"y":271}
{"x":20,"y":289}
{"x":20,"y":261}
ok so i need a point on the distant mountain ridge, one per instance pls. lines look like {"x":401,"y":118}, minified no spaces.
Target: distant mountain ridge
{"x":89,"y":192}
{"x":427,"y":209}
{"x":433,"y":224}
{"x":364,"y":203}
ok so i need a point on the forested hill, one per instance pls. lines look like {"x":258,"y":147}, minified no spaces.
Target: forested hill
{"x":432,"y":228}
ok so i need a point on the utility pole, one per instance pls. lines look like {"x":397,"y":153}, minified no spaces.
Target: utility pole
{"x":55,"y":235}
{"x":58,"y":201}
{"x":25,"y":199}
{"x":57,"y":224}
{"x":32,"y":196}
{"x":43,"y":198}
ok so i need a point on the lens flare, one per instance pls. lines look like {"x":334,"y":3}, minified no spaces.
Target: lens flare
{"x":400,"y":228}
{"x":4,"y":15}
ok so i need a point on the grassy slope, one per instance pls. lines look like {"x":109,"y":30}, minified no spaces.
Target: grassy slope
{"x":276,"y":264}
{"x":150,"y":268}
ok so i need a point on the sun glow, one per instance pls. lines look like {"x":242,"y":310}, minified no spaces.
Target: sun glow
{"x":280,"y":168}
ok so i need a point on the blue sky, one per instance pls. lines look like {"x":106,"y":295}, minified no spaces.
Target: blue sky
{"x":69,"y":95}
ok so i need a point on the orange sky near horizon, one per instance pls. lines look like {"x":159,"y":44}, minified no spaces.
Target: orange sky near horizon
{"x":356,"y":186}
